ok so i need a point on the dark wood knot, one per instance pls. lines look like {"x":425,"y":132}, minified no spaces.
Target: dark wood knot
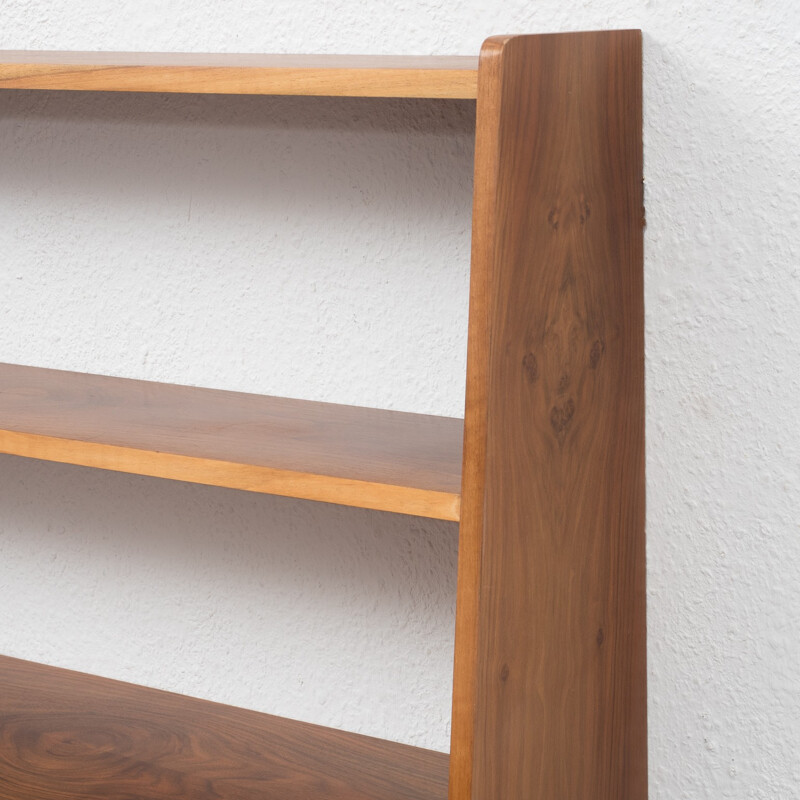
{"x":596,"y":353}
{"x":560,"y":418}
{"x":531,"y":367}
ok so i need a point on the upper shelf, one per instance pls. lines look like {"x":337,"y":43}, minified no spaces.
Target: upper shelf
{"x":335,"y":76}
{"x":385,"y":460}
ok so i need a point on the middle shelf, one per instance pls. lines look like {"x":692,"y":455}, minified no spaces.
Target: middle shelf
{"x":364,"y":457}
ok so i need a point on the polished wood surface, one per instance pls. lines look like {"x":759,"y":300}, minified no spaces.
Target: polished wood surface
{"x":386,"y":460}
{"x":484,"y":224}
{"x":550,"y":678}
{"x":69,"y":736}
{"x":348,"y":76}
{"x":549,"y":695}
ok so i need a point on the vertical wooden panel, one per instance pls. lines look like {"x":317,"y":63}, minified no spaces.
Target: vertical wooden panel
{"x":550,"y":695}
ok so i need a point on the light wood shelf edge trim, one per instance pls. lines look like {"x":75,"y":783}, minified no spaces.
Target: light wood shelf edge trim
{"x":473,"y":474}
{"x":226,"y":474}
{"x":326,"y":82}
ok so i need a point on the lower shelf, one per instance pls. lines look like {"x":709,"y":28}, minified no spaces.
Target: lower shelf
{"x":69,"y":736}
{"x":365,"y":457}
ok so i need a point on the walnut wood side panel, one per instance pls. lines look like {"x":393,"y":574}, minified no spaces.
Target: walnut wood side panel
{"x":550,"y":695}
{"x":69,"y":736}
{"x":210,"y":73}
{"x":385,"y":460}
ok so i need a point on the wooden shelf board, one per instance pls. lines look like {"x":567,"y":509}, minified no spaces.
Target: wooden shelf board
{"x":385,"y":460}
{"x":216,"y":73}
{"x":65,"y":735}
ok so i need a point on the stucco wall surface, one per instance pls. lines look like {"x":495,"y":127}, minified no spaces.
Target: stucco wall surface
{"x":319,"y":249}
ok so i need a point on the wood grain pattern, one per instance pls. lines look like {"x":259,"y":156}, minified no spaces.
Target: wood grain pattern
{"x":549,"y":696}
{"x":385,"y":460}
{"x":550,"y":679}
{"x":69,"y":736}
{"x":344,"y":76}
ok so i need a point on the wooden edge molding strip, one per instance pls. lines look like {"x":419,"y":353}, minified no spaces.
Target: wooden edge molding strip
{"x":436,"y":77}
{"x":246,"y":477}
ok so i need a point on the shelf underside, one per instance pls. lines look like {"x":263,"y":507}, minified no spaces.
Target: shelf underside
{"x":336,"y":76}
{"x":65,"y":735}
{"x":385,"y":460}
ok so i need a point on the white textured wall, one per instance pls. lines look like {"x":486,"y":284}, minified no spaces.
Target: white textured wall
{"x":319,"y":248}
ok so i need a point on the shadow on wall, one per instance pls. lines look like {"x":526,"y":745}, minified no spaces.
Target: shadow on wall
{"x":273,"y":150}
{"x":303,"y":247}
{"x":286,"y":606}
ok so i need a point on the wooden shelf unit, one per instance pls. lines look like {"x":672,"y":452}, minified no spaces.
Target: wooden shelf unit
{"x":549,"y":687}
